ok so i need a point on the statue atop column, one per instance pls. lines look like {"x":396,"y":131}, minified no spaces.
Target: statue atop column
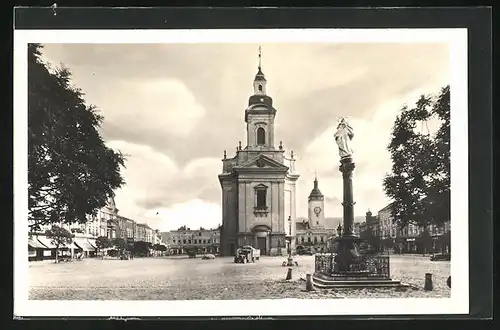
{"x":343,"y":137}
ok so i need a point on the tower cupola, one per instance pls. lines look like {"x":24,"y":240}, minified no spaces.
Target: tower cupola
{"x":315,"y":192}
{"x":259,"y":86}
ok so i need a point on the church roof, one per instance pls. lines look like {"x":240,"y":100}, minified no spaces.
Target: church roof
{"x":261,"y":99}
{"x":260,"y":76}
{"x":315,"y":192}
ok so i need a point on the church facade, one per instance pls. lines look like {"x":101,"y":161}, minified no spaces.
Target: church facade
{"x":258,"y":184}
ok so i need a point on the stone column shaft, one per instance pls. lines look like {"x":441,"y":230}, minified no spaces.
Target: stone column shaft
{"x":347,"y":167}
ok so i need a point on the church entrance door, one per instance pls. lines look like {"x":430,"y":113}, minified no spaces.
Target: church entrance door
{"x":261,"y":245}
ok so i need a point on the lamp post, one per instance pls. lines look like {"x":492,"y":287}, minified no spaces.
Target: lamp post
{"x":290,"y":258}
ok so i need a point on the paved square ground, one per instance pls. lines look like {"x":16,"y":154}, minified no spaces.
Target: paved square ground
{"x":182,"y":279}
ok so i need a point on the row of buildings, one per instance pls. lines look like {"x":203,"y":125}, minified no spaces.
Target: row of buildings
{"x":106,"y":222}
{"x":182,"y":240}
{"x":382,"y":231}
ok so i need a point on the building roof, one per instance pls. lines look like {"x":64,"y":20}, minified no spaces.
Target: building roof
{"x":315,"y":192}
{"x":260,"y":76}
{"x":302,"y":225}
{"x":387,"y":207}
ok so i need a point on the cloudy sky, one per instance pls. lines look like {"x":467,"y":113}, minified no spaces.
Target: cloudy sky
{"x":174,"y":108}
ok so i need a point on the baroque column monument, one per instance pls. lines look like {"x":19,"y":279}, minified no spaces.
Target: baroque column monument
{"x":348,"y":266}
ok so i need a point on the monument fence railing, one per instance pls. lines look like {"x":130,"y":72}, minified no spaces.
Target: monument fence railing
{"x":367,"y":265}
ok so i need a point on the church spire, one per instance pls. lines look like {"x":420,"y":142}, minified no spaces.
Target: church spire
{"x":260,"y":79}
{"x":260,"y":58}
{"x":259,"y":86}
{"x":315,"y":192}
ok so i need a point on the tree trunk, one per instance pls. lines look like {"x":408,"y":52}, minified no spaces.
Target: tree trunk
{"x":57,"y":254}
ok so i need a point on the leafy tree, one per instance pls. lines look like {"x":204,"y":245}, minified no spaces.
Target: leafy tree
{"x":182,"y":228}
{"x":426,"y":241}
{"x":102,"y":242}
{"x":120,"y":244}
{"x":59,"y":236}
{"x":141,"y":248}
{"x":419,"y":183}
{"x":159,"y":248}
{"x":71,"y":172}
{"x":77,"y":230}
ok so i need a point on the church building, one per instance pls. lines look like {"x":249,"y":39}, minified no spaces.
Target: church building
{"x":258,"y":183}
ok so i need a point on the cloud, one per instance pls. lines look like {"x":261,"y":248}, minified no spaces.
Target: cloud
{"x":193,"y":213}
{"x":154,"y":182}
{"x":174,"y":108}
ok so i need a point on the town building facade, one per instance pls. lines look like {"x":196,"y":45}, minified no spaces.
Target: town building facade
{"x":383,"y":232}
{"x":106,"y":222}
{"x":258,"y":184}
{"x":181,"y":240}
{"x":156,"y":237}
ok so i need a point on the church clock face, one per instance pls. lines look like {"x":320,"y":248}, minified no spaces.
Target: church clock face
{"x":317,"y":210}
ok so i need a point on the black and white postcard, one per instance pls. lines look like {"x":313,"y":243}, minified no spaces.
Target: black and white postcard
{"x":202,"y":172}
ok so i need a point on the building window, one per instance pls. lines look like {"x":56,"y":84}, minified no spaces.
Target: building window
{"x":199,"y":234}
{"x":315,"y":240}
{"x":309,"y":239}
{"x":260,"y":88}
{"x":321,"y":239}
{"x":261,"y":199}
{"x":302,"y":239}
{"x":184,"y":241}
{"x":261,"y":136}
{"x":189,"y":241}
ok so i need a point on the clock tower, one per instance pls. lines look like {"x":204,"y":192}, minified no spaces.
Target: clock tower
{"x":316,"y":203}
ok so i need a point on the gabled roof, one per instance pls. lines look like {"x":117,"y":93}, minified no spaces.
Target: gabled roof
{"x":263,"y":162}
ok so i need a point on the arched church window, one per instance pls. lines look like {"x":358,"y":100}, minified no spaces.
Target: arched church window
{"x":260,"y":88}
{"x":315,"y":240}
{"x":321,"y":238}
{"x":302,"y":239}
{"x":309,"y":239}
{"x":261,"y":136}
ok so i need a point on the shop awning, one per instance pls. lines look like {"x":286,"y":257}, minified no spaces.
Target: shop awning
{"x":34,"y":243}
{"x":72,"y":246}
{"x":84,"y":245}
{"x":92,"y":243}
{"x":48,"y":243}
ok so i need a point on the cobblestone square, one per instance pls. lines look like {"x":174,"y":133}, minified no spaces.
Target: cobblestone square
{"x":196,"y":279}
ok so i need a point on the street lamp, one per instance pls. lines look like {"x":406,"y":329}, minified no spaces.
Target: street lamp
{"x":290,"y":258}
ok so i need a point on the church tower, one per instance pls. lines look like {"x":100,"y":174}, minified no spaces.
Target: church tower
{"x":316,"y":207}
{"x":260,"y":114}
{"x":258,"y":183}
